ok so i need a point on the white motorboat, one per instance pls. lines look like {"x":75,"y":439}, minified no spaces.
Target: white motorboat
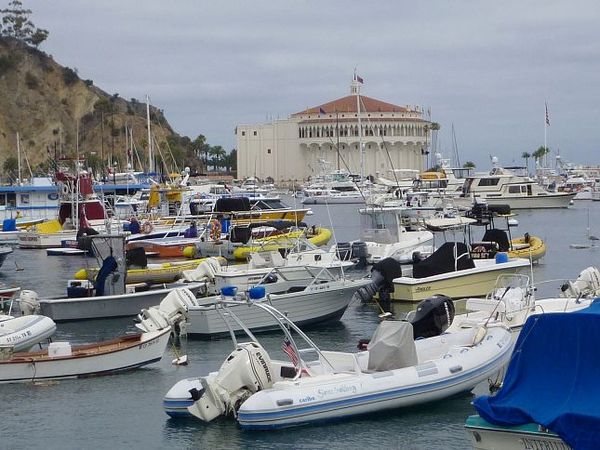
{"x":62,"y":360}
{"x":315,"y":297}
{"x":392,"y":233}
{"x":109,"y":295}
{"x":24,"y":332}
{"x":5,"y":250}
{"x":395,"y":371}
{"x":333,"y":187}
{"x":261,"y":264}
{"x":511,"y":303}
{"x":503,"y":186}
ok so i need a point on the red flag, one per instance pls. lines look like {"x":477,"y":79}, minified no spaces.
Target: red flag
{"x":288,"y":348}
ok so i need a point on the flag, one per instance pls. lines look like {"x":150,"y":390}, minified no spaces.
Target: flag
{"x":359,"y":79}
{"x":547,"y":116}
{"x":289,"y":350}
{"x":322,"y":111}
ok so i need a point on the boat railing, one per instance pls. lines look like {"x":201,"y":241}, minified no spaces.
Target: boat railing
{"x":285,"y":324}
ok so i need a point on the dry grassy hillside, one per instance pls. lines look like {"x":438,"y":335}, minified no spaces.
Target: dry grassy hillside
{"x":45,"y":102}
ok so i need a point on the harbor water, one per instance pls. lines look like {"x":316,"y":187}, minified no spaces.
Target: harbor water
{"x":125,"y":411}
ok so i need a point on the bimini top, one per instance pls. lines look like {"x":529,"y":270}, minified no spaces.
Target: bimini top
{"x":553,"y":378}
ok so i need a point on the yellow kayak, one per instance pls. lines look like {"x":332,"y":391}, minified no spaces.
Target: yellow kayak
{"x":154,"y":273}
{"x":531,"y":247}
{"x":320,"y":237}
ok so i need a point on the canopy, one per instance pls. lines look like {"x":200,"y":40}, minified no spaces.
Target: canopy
{"x":553,"y":378}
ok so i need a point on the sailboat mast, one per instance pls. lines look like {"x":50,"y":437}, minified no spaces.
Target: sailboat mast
{"x":18,"y":158}
{"x":360,"y":143}
{"x":150,"y":158}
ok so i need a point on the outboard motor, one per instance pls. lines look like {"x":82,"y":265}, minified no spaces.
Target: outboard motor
{"x":587,"y":284}
{"x":382,"y":275}
{"x":29,"y":302}
{"x":246,"y":370}
{"x":432,"y":316}
{"x":359,"y":251}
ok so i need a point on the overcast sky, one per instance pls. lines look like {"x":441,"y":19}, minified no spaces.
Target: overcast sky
{"x":486,"y":67}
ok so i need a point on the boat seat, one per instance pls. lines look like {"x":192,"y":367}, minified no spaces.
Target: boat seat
{"x":392,"y":346}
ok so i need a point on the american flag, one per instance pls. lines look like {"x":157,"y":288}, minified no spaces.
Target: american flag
{"x":547,"y":116}
{"x":288,"y":348}
{"x":359,"y":79}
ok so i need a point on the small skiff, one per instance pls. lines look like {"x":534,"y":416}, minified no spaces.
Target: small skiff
{"x":61,"y":360}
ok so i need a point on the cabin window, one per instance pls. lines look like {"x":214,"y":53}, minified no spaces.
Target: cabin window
{"x":269,"y":151}
{"x":514,"y":189}
{"x":24,"y":199}
{"x":243,"y":133}
{"x":489,"y":181}
{"x":2,"y":199}
{"x":255,"y":133}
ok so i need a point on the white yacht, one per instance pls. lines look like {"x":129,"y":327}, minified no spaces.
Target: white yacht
{"x":333,"y":187}
{"x":503,"y":186}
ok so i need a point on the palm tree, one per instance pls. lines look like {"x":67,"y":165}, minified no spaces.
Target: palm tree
{"x":526,"y":157}
{"x":469,"y":165}
{"x":540,"y":153}
{"x":217,"y":153}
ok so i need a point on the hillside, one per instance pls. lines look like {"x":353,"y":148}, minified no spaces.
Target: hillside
{"x":45,"y":102}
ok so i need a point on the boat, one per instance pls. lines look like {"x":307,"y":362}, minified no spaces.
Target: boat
{"x":391,"y":232}
{"x":543,"y":405}
{"x":332,"y":188}
{"x":5,"y":250}
{"x":152,"y":273}
{"x":504,"y":186}
{"x":61,"y":360}
{"x":22,"y":333}
{"x":452,"y":271}
{"x":307,"y":295}
{"x":395,"y":371}
{"x":496,"y":239}
{"x":512,"y":302}
{"x":109,"y":295}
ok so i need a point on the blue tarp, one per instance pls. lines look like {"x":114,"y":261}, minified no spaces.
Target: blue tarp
{"x":553,"y":378}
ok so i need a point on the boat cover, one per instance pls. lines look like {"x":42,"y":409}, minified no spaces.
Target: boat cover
{"x":392,"y":346}
{"x":443,"y":260}
{"x":553,"y":377}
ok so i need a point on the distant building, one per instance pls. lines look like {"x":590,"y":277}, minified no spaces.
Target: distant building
{"x":306,"y":143}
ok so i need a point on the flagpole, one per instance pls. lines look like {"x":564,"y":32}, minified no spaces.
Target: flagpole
{"x":545,"y":132}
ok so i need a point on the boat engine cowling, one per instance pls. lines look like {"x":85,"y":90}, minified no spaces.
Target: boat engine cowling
{"x":206,"y":270}
{"x":171,"y":310}
{"x":245,"y":371}
{"x":29,"y":302}
{"x":382,"y":276}
{"x":432,"y":316}
{"x":587,"y":284}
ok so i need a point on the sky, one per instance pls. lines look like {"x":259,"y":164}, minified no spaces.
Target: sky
{"x":486,"y":68}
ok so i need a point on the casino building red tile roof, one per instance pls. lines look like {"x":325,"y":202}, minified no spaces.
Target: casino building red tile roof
{"x":348,"y":104}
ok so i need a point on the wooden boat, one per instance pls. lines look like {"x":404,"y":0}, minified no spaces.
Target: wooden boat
{"x":61,"y":360}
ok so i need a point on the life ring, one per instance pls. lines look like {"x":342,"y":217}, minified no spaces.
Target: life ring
{"x":147,"y":227}
{"x":64,"y":189}
{"x":215,"y":230}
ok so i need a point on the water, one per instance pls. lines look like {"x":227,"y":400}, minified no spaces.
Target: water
{"x":125,"y":410}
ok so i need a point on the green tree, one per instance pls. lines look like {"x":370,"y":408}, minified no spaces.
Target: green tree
{"x":217,"y":153}
{"x":16,"y":25}
{"x":526,"y":156}
{"x":540,"y":153}
{"x":469,"y":165}
{"x":230,"y":161}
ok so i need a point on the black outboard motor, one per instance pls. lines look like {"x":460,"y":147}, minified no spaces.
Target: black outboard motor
{"x":432,"y":316}
{"x":360,"y":253}
{"x":382,"y":275}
